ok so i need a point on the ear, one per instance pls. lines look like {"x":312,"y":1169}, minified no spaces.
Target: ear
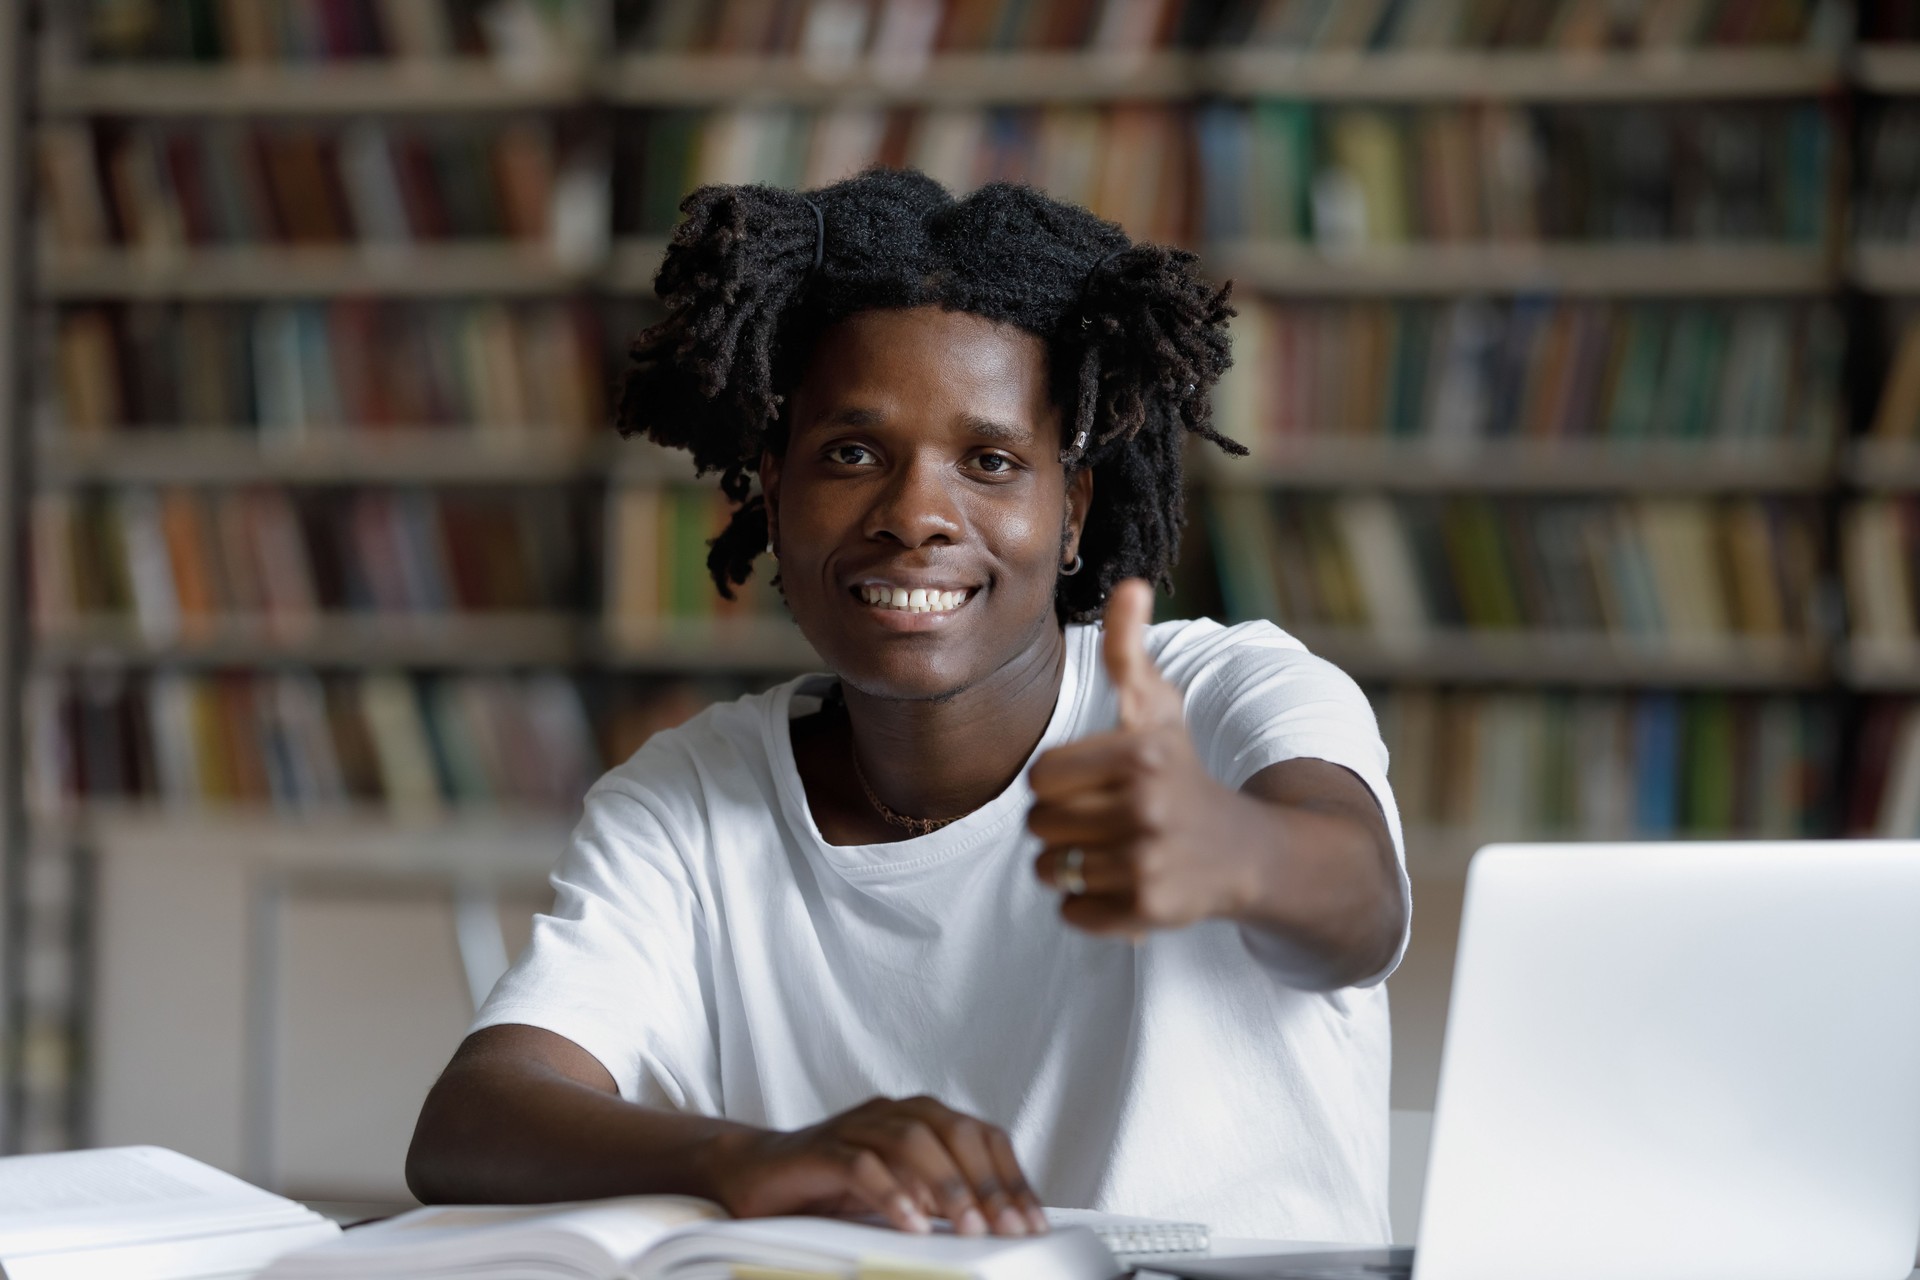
{"x":1079,"y":502}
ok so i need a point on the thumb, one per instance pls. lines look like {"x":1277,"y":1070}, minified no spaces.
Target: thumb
{"x":1145,"y":698}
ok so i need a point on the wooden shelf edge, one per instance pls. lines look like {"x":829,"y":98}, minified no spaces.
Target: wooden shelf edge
{"x":329,"y":455}
{"x":1882,"y":267}
{"x":770,"y":645}
{"x":1526,"y":75}
{"x":1888,"y":68}
{"x":470,"y":640}
{"x":1595,"y":270}
{"x":1424,"y":466}
{"x":950,"y":79}
{"x":275,"y":271}
{"x":1887,"y":466}
{"x":394,"y":87}
{"x":1881,"y":666}
{"x":1539,"y":657}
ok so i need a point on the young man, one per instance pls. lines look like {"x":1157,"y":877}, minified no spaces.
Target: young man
{"x":1010,"y":907}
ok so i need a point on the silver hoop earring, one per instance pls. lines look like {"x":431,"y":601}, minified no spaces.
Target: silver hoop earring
{"x":1068,"y":570}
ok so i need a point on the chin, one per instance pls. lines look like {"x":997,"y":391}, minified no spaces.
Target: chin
{"x":902,"y":670}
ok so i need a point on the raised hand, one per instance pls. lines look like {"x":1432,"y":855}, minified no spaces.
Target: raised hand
{"x":1137,"y":804}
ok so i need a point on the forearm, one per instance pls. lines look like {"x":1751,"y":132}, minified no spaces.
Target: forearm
{"x":1320,"y":895}
{"x":1321,"y":907}
{"x":499,"y":1129}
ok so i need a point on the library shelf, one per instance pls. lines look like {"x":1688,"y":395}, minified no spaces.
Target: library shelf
{"x":466,"y":640}
{"x":1649,"y":269}
{"x":1886,"y":465}
{"x":1888,"y":68}
{"x":332,"y":88}
{"x":373,"y":455}
{"x":1880,"y":665}
{"x":633,"y":263}
{"x":1885,"y":266}
{"x":770,"y":645}
{"x":1531,"y":657}
{"x":642,"y":80}
{"x":1525,"y":466}
{"x":445,"y":269}
{"x":364,"y":842}
{"x":1523,"y":75}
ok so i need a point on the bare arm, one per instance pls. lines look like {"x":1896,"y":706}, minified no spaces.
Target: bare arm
{"x":523,"y":1115}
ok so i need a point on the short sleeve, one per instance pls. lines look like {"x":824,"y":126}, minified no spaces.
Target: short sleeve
{"x":1254,"y":697}
{"x":620,"y":963}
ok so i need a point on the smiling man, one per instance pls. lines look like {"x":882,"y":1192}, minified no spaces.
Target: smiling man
{"x":1009,"y":905}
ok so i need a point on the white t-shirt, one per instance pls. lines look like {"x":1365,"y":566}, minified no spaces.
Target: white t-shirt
{"x":717,"y":955}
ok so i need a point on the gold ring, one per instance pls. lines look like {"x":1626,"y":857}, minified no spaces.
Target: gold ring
{"x":1068,"y":878}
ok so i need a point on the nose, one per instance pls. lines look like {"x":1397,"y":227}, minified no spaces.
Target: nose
{"x":917,"y":504}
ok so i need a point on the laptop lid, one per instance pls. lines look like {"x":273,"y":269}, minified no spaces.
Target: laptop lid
{"x":1681,"y":1061}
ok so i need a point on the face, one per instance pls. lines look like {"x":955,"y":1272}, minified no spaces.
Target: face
{"x":921,"y":512}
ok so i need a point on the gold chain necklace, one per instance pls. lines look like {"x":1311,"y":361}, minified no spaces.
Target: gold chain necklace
{"x":918,"y":826}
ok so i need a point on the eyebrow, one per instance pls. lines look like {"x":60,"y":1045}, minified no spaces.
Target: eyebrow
{"x":989,"y":428}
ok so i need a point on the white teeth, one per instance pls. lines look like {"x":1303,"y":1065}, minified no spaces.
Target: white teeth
{"x":916,"y":600}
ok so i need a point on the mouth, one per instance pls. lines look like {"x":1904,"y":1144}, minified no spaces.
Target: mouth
{"x":894,"y":599}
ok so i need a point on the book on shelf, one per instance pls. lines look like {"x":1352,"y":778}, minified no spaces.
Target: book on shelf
{"x":292,"y":372}
{"x":657,"y":540}
{"x":1880,"y":564}
{"x":664,"y":1237}
{"x":141,"y":1213}
{"x":1128,"y":162}
{"x":1896,"y":416}
{"x":834,"y":33}
{"x":163,"y":188}
{"x":1356,"y":178}
{"x":1685,"y":575}
{"x":1524,"y":765}
{"x":1885,"y":799}
{"x":1565,"y":26}
{"x":303,"y":742}
{"x":520,"y":35}
{"x":1887,"y":202}
{"x":189,"y":565}
{"x":1457,"y":375}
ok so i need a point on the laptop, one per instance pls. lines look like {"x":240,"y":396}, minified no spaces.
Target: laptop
{"x":1682,"y":1061}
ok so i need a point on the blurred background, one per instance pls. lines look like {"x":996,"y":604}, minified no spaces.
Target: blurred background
{"x":1576,"y":349}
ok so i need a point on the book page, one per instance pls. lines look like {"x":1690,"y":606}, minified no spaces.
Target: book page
{"x":67,"y":1199}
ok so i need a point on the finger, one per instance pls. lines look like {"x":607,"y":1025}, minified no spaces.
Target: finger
{"x":1104,"y":914}
{"x":1101,"y":760}
{"x":1093,"y":817}
{"x":922,"y":1154}
{"x":875,"y":1184}
{"x":1104,"y":871}
{"x":1019,"y":1190}
{"x":1123,"y":645}
{"x":1145,"y":696}
{"x":966,"y":1140}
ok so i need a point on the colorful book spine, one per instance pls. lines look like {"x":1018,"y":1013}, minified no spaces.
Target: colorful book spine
{"x":165,"y":187}
{"x":300,"y":742}
{"x":183,"y":564}
{"x":1683,"y":573}
{"x":295,"y":370}
{"x":657,"y":541}
{"x":1463,"y":373}
{"x":1880,"y":564}
{"x":1561,"y":765}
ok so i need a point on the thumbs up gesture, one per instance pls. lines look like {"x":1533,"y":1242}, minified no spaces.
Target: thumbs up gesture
{"x":1130,"y":819}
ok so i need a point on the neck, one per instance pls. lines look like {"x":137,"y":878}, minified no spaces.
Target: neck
{"x":947,"y":757}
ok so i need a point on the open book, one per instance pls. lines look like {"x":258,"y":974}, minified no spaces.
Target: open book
{"x":140,"y":1213}
{"x":677,"y":1238}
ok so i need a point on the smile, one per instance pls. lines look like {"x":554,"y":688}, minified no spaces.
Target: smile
{"x":912,"y":599}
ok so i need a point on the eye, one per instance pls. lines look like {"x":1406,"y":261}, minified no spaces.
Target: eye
{"x":996,"y":464}
{"x":852,"y":455}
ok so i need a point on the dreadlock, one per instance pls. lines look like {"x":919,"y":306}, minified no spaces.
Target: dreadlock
{"x":1135,"y":337}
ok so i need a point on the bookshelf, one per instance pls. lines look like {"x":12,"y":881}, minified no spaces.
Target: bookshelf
{"x":1780,"y":247}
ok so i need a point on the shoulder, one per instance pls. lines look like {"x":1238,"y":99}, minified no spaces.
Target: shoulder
{"x":674,"y":771}
{"x":1200,"y":651}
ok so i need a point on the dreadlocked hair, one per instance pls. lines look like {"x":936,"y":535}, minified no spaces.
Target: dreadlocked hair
{"x":1136,"y":340}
